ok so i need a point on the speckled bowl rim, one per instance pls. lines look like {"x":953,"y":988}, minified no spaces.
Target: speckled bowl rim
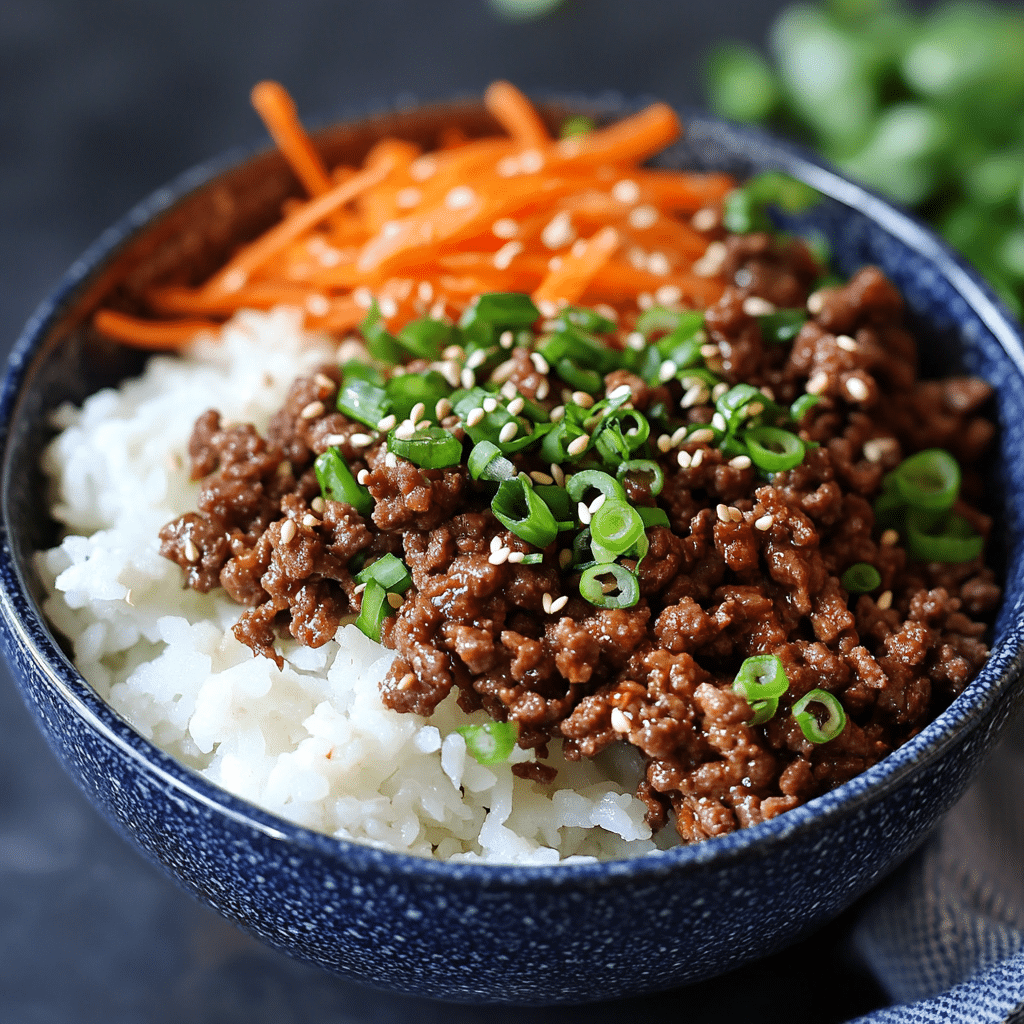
{"x":967,"y":712}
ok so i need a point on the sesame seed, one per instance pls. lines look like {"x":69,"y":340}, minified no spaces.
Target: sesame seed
{"x":515,"y":557}
{"x":363,"y":297}
{"x":718,"y":422}
{"x":318,"y":504}
{"x":388,"y":306}
{"x":391,"y":460}
{"x":722,"y":511}
{"x":767,"y":392}
{"x":703,"y":435}
{"x":565,"y":558}
{"x":698,"y":457}
{"x":467,"y":379}
{"x":578,"y":445}
{"x":387,"y":422}
{"x":323,"y":381}
{"x":496,"y":542}
{"x":540,"y":364}
{"x":423,"y":167}
{"x":766,"y":522}
{"x":557,"y":414}
{"x":626,"y":191}
{"x":547,"y":307}
{"x":425,"y":291}
{"x":505,"y":227}
{"x":890,"y":538}
{"x":310,"y":521}
{"x":664,"y":443}
{"x":407,"y":198}
{"x":395,"y":600}
{"x":234,"y":280}
{"x":645,"y":299}
{"x":407,"y":681}
{"x":508,"y":432}
{"x":620,"y":723}
{"x":490,"y":404}
{"x":476,"y":359}
{"x":597,"y":503}
{"x":705,"y":219}
{"x":740,"y":462}
{"x":546,"y":603}
{"x":709,"y":350}
{"x":678,"y":435}
{"x":558,"y":232}
{"x":684,"y":458}
{"x":754,"y":305}
{"x":815,"y":302}
{"x":657,"y":263}
{"x":637,"y":257}
{"x":360,"y":440}
{"x":857,"y":389}
{"x":443,"y":408}
{"x":190,"y":550}
{"x":499,"y":557}
{"x":559,"y":603}
{"x":515,"y":407}
{"x":506,"y":254}
{"x":417,"y":411}
{"x":543,"y":390}
{"x":539,"y":477}
{"x":817,"y":383}
{"x":635,"y":341}
{"x":287,"y":531}
{"x":508,"y":389}
{"x":361,"y":477}
{"x":508,"y":166}
{"x":583,"y":399}
{"x":475,"y":416}
{"x":531,"y":161}
{"x":846,"y":343}
{"x":558,"y":474}
{"x":454,"y":352}
{"x":753,"y":409}
{"x":884,"y":601}
{"x":669,"y":295}
{"x":423,"y":424}
{"x":696,"y":395}
{"x":460,"y":197}
{"x":583,"y":513}
{"x":712,"y":261}
{"x":312,"y":410}
{"x":735,"y":515}
{"x":667,"y":371}
{"x":642,"y":217}
{"x":359,"y":588}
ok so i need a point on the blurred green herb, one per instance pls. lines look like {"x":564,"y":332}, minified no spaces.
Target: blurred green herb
{"x":926,"y":107}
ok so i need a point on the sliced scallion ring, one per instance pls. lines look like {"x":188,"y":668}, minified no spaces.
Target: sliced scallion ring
{"x":953,"y":539}
{"x":761,"y":677}
{"x":616,"y":527}
{"x":623,"y":589}
{"x":373,"y":610}
{"x":825,"y":722}
{"x":519,"y":508}
{"x":579,"y":483}
{"x":486,"y":462}
{"x":773,"y":449}
{"x":430,"y":448}
{"x":861,"y":578}
{"x":643,"y":467}
{"x":489,"y":743}
{"x":928,"y":480}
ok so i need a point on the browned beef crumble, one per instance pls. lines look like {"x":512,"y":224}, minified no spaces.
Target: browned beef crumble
{"x":747,"y":567}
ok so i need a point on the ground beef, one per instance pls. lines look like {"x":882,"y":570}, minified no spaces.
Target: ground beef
{"x":747,"y":565}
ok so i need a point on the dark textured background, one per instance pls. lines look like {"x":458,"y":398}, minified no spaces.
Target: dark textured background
{"x":102,"y":101}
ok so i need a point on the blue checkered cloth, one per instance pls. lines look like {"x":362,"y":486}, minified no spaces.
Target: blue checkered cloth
{"x":945,"y":936}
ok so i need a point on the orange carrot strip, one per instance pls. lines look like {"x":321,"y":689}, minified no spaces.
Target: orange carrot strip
{"x":570,"y":279}
{"x":681,"y":190}
{"x":631,"y":140}
{"x":150,"y":334}
{"x":236,"y":273}
{"x":516,"y":114}
{"x":174,"y":301}
{"x":275,"y":106}
{"x":342,"y":315}
{"x":618,"y":281}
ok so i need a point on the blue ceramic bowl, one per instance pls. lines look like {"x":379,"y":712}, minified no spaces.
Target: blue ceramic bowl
{"x":470,"y":932}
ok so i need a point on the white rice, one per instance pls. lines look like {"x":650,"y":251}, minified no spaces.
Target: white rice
{"x":311,"y":742}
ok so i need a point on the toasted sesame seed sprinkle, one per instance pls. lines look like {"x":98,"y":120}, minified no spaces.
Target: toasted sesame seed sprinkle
{"x":407,"y":681}
{"x":310,"y":521}
{"x":467,"y":379}
{"x":417,"y":411}
{"x":499,"y":557}
{"x":288,"y":531}
{"x":684,"y":458}
{"x":425,"y":291}
{"x":388,"y":306}
{"x":508,"y":389}
{"x":884,"y":601}
{"x":679,"y":435}
{"x":515,"y":557}
{"x":543,"y":390}
{"x":667,"y":371}
{"x":722,"y":511}
{"x":360,"y":440}
{"x":557,"y":414}
{"x":583,"y":513}
{"x":361,"y":477}
{"x":311,"y":411}
{"x":712,"y":261}
{"x":890,"y":538}
{"x":642,"y":217}
{"x":515,"y":407}
{"x":475,"y":416}
{"x":540,"y":364}
{"x":740,"y":462}
{"x":395,"y":600}
{"x":497,"y":542}
{"x":358,"y":588}
{"x":765,"y":522}
{"x":476,"y":359}
{"x":387,"y":422}
{"x":443,"y":408}
{"x":702,"y":435}
{"x":391,"y":460}
{"x":620,"y":723}
{"x":645,"y":299}
{"x":718,"y":422}
{"x":846,"y":343}
{"x":190,"y":550}
{"x":558,"y":474}
{"x":454,"y":352}
{"x":705,"y":219}
{"x":508,"y":432}
{"x":460,"y":197}
{"x":709,"y":350}
{"x":405,"y":430}
{"x":546,"y":603}
{"x":505,"y":227}
{"x":817,"y":383}
{"x":565,"y":558}
{"x":583,"y":399}
{"x":657,"y":263}
{"x":698,"y":457}
{"x":325,"y":382}
{"x":815,"y":303}
{"x":664,"y":443}
{"x":318,"y":504}
{"x":621,"y":391}
{"x":578,"y":445}
{"x":490,"y":403}
{"x":597,"y":503}
{"x":857,"y":389}
{"x":503,"y":258}
{"x":636,"y":341}
{"x":547,"y":307}
{"x":539,"y":477}
{"x":626,"y":191}
{"x":559,"y":603}
{"x":754,"y":305}
{"x":696,"y":395}
{"x":423,"y":424}
{"x":669,"y":295}
{"x":558,"y":232}
{"x":506,"y":339}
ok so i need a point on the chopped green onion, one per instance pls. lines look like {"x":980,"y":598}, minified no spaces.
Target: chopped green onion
{"x":425,"y":338}
{"x":533,"y":558}
{"x":732,"y":406}
{"x":486,"y":462}
{"x":498,"y":310}
{"x":773,"y":449}
{"x":829,"y":726}
{"x":579,"y":483}
{"x":338,"y":484}
{"x":584,"y":350}
{"x":490,"y":743}
{"x":585,"y":319}
{"x":577,"y":125}
{"x":761,"y":677}
{"x":354,"y":369}
{"x":957,"y":541}
{"x":653,"y":516}
{"x":782,"y":326}
{"x":578,"y":377}
{"x":373,"y":610}
{"x":518,"y":507}
{"x":408,"y":389}
{"x":615,"y":528}
{"x":928,"y":480}
{"x":657,"y":320}
{"x":363,"y":401}
{"x":389,"y":571}
{"x":622,"y":580}
{"x":430,"y":448}
{"x":799,"y":409}
{"x":557,"y":499}
{"x":380,"y":342}
{"x":645,"y":467}
{"x":861,"y":578}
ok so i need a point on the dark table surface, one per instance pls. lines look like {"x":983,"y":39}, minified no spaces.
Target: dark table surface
{"x":100,"y":103}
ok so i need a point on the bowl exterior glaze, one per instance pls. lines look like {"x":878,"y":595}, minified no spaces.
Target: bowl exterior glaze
{"x":469,"y":932}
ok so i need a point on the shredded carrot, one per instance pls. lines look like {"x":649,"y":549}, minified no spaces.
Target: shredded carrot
{"x":569,"y":220}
